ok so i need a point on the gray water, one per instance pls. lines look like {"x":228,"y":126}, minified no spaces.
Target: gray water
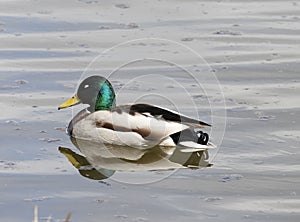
{"x":252,"y":48}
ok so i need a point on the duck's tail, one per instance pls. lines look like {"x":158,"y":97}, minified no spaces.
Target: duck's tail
{"x":193,"y":140}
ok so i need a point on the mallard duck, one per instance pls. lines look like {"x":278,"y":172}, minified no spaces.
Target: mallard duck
{"x":140,"y":126}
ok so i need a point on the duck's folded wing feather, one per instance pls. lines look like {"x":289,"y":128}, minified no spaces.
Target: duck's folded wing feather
{"x":160,"y":113}
{"x":148,"y":127}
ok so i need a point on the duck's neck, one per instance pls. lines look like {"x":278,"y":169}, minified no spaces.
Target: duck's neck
{"x":106,"y":97}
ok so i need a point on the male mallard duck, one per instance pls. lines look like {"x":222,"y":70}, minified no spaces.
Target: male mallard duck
{"x":139,"y":125}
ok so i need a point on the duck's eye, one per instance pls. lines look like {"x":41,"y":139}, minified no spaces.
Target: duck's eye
{"x":86,"y":86}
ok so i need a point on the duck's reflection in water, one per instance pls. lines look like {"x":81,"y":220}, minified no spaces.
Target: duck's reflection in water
{"x":101,"y":162}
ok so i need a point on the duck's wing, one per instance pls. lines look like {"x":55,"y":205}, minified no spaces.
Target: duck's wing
{"x":125,"y":125}
{"x":136,"y":125}
{"x":160,"y":113}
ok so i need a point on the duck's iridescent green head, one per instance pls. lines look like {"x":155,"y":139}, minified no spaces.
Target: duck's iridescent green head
{"x":95,"y":91}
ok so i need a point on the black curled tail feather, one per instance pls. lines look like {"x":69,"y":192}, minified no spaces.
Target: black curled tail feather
{"x":203,"y":138}
{"x":190,"y":135}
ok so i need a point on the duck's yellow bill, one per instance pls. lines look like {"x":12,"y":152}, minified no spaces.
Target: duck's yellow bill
{"x":70,"y":102}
